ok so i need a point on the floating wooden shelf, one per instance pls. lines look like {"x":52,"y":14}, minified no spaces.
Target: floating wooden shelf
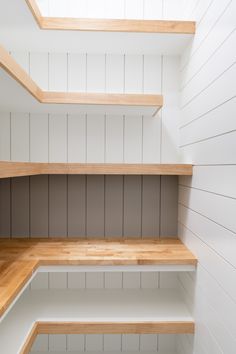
{"x":19,"y":259}
{"x":19,"y":30}
{"x":17,"y":169}
{"x":155,"y":311}
{"x":127,"y":103}
{"x":110,"y":25}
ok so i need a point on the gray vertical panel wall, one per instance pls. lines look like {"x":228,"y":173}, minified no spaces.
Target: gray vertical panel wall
{"x":58,"y":206}
{"x":5,"y":207}
{"x":169,"y":201}
{"x":39,"y":206}
{"x":132,"y":206}
{"x":20,"y":207}
{"x":89,"y":206}
{"x":150,"y":206}
{"x":95,"y":206}
{"x":113,"y":206}
{"x":77,"y":206}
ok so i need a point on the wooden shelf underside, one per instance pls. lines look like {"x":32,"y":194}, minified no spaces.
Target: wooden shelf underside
{"x":146,"y":103}
{"x":19,"y":259}
{"x":18,"y":169}
{"x":129,"y":311}
{"x":109,"y":25}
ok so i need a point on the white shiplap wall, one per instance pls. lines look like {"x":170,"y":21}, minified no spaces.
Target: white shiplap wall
{"x":124,"y":9}
{"x":207,"y":201}
{"x":96,"y":138}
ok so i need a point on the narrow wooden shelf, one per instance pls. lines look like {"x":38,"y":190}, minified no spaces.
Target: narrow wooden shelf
{"x":19,"y":30}
{"x":144,"y":311}
{"x":110,"y":25}
{"x":18,"y":169}
{"x":20,"y":258}
{"x":114,"y":102}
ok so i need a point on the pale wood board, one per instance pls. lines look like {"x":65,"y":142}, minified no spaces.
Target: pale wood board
{"x":19,"y":258}
{"x":17,"y":169}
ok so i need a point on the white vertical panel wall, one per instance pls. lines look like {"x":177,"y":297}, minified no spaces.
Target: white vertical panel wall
{"x":96,"y":138}
{"x":207,"y":202}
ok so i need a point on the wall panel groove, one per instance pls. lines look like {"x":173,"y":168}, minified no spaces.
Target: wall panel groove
{"x":206,"y":201}
{"x":93,"y":206}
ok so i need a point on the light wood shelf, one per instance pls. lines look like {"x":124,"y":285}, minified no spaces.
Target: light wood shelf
{"x":110,"y":25}
{"x":18,"y":169}
{"x":117,"y":311}
{"x":131,"y":103}
{"x":21,"y":258}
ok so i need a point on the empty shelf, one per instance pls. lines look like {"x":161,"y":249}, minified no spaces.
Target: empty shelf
{"x":94,"y":311}
{"x":17,"y":169}
{"x":19,"y":30}
{"x":110,"y":25}
{"x":20,"y":259}
{"x":15,"y":84}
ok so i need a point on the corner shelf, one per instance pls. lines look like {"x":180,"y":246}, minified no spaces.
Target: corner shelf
{"x":45,"y":34}
{"x":160,"y":311}
{"x":16,"y":169}
{"x":20,"y":259}
{"x":107,"y":103}
{"x":109,"y":25}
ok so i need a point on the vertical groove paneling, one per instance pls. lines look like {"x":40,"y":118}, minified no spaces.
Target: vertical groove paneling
{"x":113,"y":206}
{"x":5,"y":136}
{"x":169,"y":200}
{"x":58,"y":138}
{"x":57,"y":206}
{"x":96,"y":138}
{"x":77,"y":138}
{"x":114,"y":139}
{"x":39,"y":137}
{"x":5,"y":207}
{"x":150,"y":206}
{"x":95,"y":206}
{"x":20,"y":137}
{"x":20,"y":207}
{"x":132,"y":206}
{"x":39,"y":212}
{"x":76,"y":206}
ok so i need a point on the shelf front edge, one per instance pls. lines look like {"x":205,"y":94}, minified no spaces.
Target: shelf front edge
{"x":17,"y":169}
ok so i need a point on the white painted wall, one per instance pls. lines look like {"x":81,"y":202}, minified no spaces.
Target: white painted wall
{"x":207,"y":205}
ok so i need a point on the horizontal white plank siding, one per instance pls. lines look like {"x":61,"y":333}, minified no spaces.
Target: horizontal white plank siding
{"x":207,"y":201}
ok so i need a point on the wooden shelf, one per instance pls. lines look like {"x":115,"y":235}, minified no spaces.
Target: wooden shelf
{"x":109,"y":25}
{"x":19,"y":30}
{"x":18,"y":169}
{"x":144,"y":104}
{"x":155,"y":311}
{"x":19,"y":259}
